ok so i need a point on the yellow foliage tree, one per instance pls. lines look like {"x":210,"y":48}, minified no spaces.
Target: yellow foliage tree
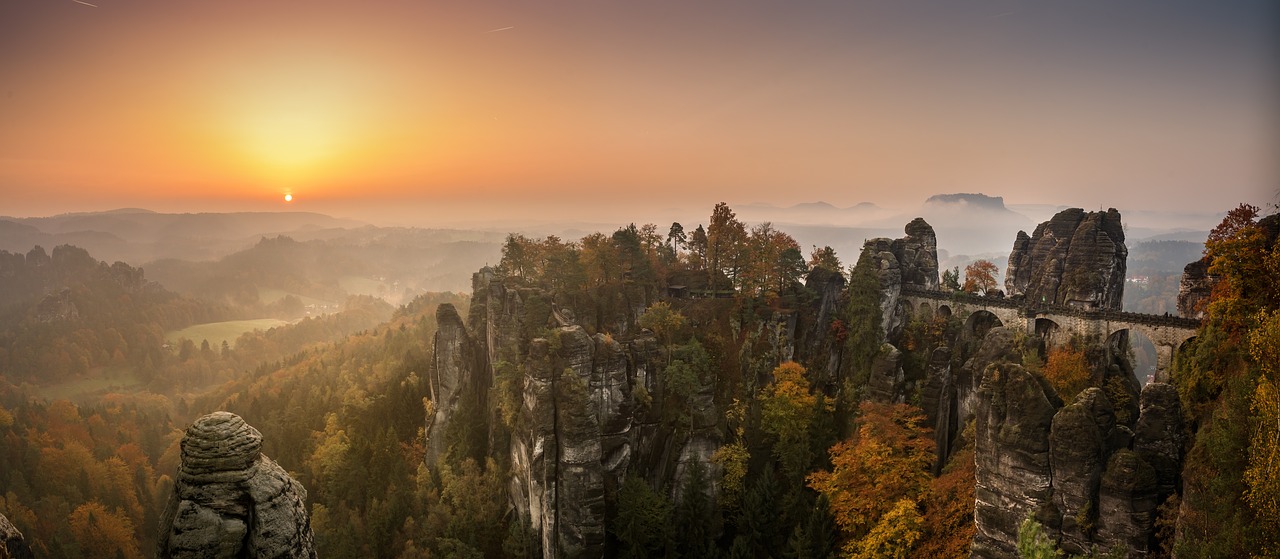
{"x":886,"y":461}
{"x":893,"y":536}
{"x":103,"y":533}
{"x":787,"y":410}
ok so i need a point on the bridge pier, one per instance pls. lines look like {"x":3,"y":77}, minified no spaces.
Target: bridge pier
{"x":1164,"y":360}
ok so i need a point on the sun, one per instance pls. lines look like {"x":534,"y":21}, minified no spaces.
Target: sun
{"x":288,"y":197}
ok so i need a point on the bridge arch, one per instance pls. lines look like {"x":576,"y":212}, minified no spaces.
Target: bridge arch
{"x":926,"y":311}
{"x":944,"y":311}
{"x":1144,"y":354}
{"x":1050,"y":331}
{"x":980,"y":322}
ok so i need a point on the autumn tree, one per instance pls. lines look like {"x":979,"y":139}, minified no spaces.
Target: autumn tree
{"x":1226,"y":380}
{"x":787,"y":410}
{"x":103,"y":533}
{"x":726,"y":237}
{"x":518,"y":255}
{"x":885,"y":462}
{"x":664,"y":321}
{"x":600,"y":259}
{"x":980,"y":277}
{"x":826,"y":259}
{"x":1067,"y":370}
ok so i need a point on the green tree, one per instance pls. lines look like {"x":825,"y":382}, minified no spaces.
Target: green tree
{"x":826,"y":259}
{"x":864,"y":333}
{"x":1033,"y":543}
{"x":676,"y":237}
{"x":641,"y":522}
{"x":951,"y":279}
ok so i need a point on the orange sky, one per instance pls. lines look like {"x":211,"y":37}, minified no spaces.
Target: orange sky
{"x":189,"y":105}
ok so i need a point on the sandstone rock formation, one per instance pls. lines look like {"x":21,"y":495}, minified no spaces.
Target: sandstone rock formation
{"x":918,"y":255}
{"x":1194,"y":289}
{"x":458,"y":377}
{"x":1090,"y":480}
{"x":230,"y":500}
{"x":1014,"y":478}
{"x":910,"y":261}
{"x":590,"y":410}
{"x":12,"y":544}
{"x":815,"y":344}
{"x":885,"y":382}
{"x":1075,"y":258}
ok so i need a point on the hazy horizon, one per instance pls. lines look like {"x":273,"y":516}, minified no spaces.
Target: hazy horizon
{"x":415,"y":113}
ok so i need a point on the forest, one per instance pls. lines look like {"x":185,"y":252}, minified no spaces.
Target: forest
{"x":808,"y":460}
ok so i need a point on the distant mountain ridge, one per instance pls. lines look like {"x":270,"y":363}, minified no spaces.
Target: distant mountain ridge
{"x":138,"y":235}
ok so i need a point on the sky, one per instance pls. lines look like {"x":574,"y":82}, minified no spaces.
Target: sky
{"x":416,"y":110}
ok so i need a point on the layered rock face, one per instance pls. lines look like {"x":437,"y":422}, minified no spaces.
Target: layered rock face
{"x":458,"y":377}
{"x":1194,"y":289}
{"x":1076,"y":258}
{"x":230,"y":500}
{"x":12,"y":545}
{"x":910,"y":261}
{"x":1093,"y":482}
{"x":814,"y":343}
{"x":1014,"y":478}
{"x":581,"y":428}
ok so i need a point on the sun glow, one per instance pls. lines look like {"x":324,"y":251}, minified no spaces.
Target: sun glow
{"x":292,"y":122}
{"x":288,"y":197}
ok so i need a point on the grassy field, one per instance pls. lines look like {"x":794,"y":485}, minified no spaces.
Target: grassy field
{"x":217,"y":332}
{"x":112,"y":379}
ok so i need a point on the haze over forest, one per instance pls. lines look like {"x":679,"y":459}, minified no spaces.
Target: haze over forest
{"x":986,"y":279}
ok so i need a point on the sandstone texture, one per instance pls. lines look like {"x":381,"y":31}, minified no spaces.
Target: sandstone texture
{"x":12,"y":544}
{"x":458,"y":377}
{"x":1014,"y":479}
{"x":1194,"y":289}
{"x":591,"y":409}
{"x":1090,"y":480}
{"x":910,"y":261}
{"x":1076,"y":258}
{"x":230,"y":500}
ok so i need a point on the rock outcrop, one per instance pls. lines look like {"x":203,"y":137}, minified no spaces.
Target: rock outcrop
{"x":1089,"y":479}
{"x":458,"y":378}
{"x":918,"y":255}
{"x":1194,"y":289}
{"x":910,"y":261}
{"x":1076,"y":258}
{"x":590,"y":409}
{"x":815,"y":343}
{"x":230,"y":500}
{"x":12,"y":544}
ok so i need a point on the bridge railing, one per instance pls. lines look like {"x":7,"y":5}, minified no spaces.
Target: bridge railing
{"x":1066,"y":310}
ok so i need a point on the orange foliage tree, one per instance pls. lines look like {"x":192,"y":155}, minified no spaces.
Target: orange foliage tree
{"x":980,"y":277}
{"x":887,"y":460}
{"x":103,"y":533}
{"x":1067,"y":371}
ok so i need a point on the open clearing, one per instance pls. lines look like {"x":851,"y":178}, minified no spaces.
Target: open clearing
{"x":217,"y":332}
{"x":111,"y":379}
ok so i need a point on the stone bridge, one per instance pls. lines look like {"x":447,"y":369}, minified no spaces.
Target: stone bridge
{"x":1055,"y":323}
